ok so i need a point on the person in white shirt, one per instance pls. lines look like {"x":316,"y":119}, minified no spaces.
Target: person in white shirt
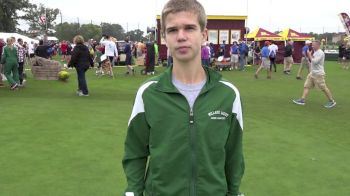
{"x":110,"y":48}
{"x":273,"y":48}
{"x":316,"y":76}
{"x":31,"y":49}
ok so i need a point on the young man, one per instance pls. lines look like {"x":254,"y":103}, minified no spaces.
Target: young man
{"x":185,"y":131}
{"x":316,"y":77}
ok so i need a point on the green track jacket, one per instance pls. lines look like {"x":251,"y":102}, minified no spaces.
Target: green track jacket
{"x":171,"y":150}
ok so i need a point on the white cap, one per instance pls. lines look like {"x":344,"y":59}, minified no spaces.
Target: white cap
{"x":307,"y":42}
{"x":129,"y":194}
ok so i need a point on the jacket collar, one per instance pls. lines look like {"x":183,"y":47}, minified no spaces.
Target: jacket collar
{"x":165,"y":83}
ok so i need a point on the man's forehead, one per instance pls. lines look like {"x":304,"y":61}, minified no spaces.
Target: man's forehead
{"x":181,"y":18}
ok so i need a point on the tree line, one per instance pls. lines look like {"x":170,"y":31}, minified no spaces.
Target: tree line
{"x":11,"y":11}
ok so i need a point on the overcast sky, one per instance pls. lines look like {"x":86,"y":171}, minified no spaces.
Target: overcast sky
{"x":300,"y":15}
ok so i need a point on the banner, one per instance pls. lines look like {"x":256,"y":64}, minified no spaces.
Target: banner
{"x":345,"y":19}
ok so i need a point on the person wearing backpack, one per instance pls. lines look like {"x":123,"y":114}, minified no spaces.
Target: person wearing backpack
{"x":273,"y":48}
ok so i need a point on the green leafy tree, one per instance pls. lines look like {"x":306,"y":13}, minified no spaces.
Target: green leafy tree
{"x":90,"y":31}
{"x":135,"y":35}
{"x":66,"y":31}
{"x":9,"y":15}
{"x":33,"y":14}
{"x":114,"y":30}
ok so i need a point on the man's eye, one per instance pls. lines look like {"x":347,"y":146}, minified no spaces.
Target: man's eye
{"x":190,"y":28}
{"x":171,"y":30}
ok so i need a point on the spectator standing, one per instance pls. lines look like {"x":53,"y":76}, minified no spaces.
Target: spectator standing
{"x":31,"y":49}
{"x":234,"y":53}
{"x":243,"y":52}
{"x":169,"y":58}
{"x":288,"y":57}
{"x":81,"y":60}
{"x":21,"y":54}
{"x":127,"y":51}
{"x":222,"y":49}
{"x":205,"y":55}
{"x":64,"y":48}
{"x":185,"y":132}
{"x":341,"y":53}
{"x":212,"y":52}
{"x":150,"y":61}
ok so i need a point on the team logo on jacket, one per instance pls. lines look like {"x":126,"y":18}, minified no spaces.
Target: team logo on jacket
{"x":218,"y":115}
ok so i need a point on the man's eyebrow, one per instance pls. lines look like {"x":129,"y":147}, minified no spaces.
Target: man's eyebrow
{"x":183,"y":25}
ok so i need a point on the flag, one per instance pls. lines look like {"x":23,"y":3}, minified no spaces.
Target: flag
{"x":345,"y":19}
{"x":42,"y":19}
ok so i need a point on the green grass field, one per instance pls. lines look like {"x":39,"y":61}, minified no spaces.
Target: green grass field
{"x":55,"y":143}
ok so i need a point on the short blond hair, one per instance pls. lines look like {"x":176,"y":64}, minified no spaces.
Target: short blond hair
{"x":175,"y":6}
{"x":78,"y":39}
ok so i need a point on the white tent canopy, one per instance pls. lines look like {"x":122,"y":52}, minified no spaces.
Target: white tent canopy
{"x":16,"y":35}
{"x":50,"y":38}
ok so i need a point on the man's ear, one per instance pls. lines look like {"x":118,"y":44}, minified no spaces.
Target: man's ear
{"x":163,"y":37}
{"x":204,"y":35}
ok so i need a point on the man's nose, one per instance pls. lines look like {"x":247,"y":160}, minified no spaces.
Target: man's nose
{"x":181,"y":35}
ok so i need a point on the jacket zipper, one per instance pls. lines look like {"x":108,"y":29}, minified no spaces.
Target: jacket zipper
{"x":193,"y":154}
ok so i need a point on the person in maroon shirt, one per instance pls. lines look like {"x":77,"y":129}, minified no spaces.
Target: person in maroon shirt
{"x":64,"y":47}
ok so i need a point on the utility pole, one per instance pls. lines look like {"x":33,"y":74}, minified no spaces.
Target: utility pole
{"x":46,"y":20}
{"x":61,"y":16}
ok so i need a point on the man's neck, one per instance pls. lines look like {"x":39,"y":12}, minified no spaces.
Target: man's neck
{"x":189,"y":73}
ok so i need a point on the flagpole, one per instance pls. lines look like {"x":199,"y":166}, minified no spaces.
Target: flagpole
{"x":46,"y":21}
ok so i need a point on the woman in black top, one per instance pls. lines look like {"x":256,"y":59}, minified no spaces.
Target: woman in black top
{"x":81,"y":60}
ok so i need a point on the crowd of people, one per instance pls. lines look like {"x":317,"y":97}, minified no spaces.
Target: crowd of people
{"x":15,"y":54}
{"x":106,"y":53}
{"x":312,"y":60}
